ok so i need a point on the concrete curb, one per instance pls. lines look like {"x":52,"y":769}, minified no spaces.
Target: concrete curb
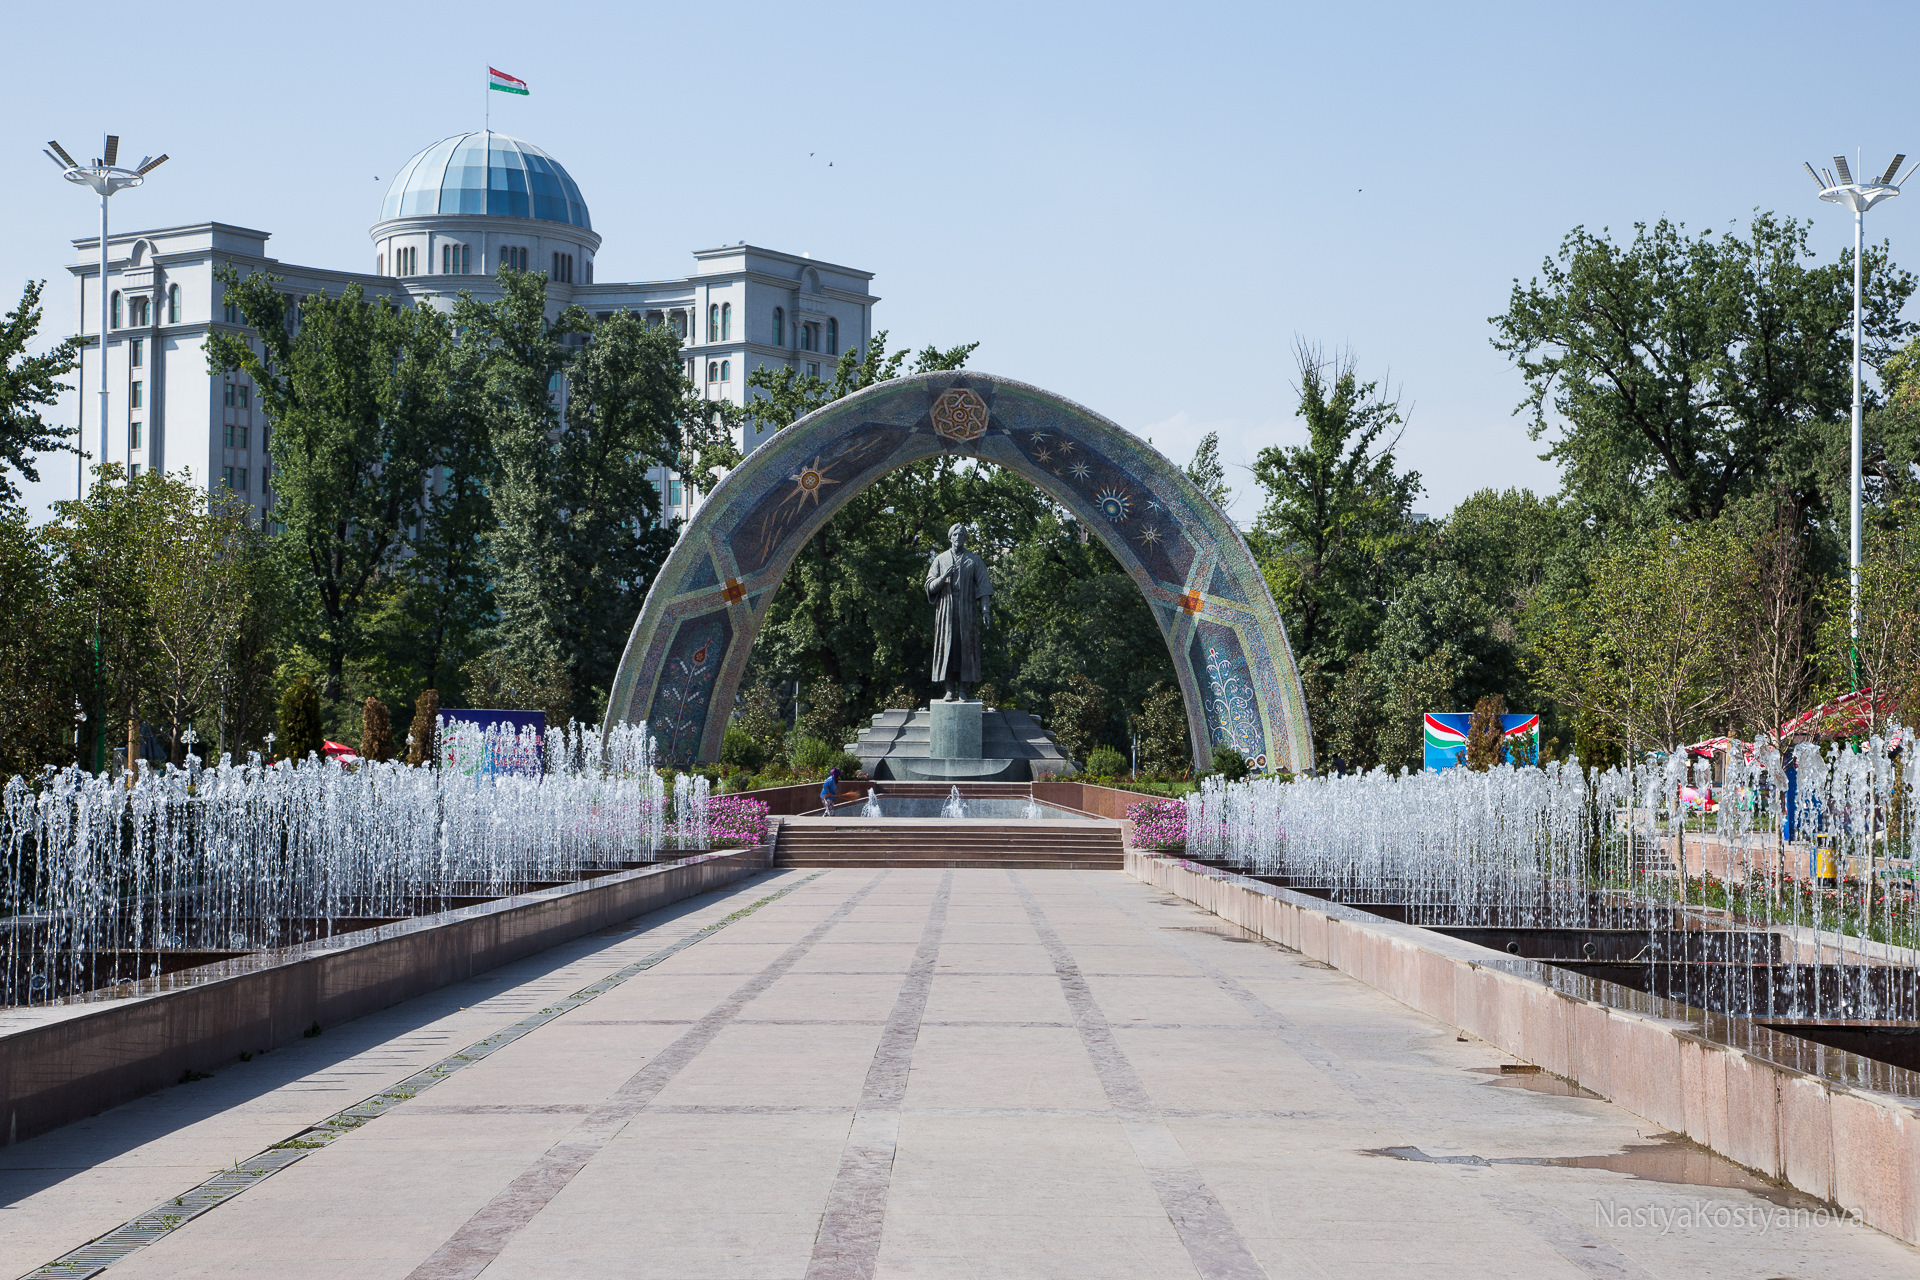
{"x":1836,"y":1126}
{"x":98,"y":1055}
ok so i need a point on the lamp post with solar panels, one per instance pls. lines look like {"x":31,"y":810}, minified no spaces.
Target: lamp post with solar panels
{"x":1859,"y":197}
{"x":105,"y":177}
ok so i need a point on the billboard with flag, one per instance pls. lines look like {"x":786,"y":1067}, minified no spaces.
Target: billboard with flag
{"x":1444,"y":734}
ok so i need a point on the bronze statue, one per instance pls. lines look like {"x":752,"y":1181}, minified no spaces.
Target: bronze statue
{"x":955,"y":581}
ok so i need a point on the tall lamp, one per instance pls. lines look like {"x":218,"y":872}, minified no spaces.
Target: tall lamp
{"x":105,"y":177}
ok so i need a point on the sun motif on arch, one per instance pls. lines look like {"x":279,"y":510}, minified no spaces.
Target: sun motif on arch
{"x":1041,"y":455}
{"x":1080,"y":470}
{"x":810,"y":481}
{"x":1066,"y":446}
{"x":1113,"y":504}
{"x":1150,"y":535}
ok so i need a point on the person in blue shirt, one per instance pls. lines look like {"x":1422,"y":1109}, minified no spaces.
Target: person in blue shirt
{"x":830,"y":791}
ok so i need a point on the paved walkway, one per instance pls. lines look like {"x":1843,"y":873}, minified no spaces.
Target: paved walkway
{"x":919,"y":1073}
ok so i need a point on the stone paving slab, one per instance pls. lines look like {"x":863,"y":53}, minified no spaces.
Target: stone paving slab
{"x":919,"y":1073}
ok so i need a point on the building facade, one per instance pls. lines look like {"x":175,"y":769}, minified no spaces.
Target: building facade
{"x":454,"y":214}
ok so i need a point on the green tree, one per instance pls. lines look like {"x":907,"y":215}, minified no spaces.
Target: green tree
{"x":1336,"y":533}
{"x":1644,"y":649}
{"x":26,"y":384}
{"x":579,"y":415}
{"x":42,"y":653}
{"x":1205,"y":470}
{"x":206,"y":571}
{"x":1684,"y":372}
{"x":1079,"y":719}
{"x":1886,"y":658}
{"x":98,"y":544}
{"x":360,"y":397}
{"x":824,"y":713}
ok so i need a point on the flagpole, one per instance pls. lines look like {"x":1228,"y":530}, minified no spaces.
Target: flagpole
{"x":488,"y":80}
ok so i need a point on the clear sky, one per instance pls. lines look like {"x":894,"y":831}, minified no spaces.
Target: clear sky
{"x":1140,"y":207}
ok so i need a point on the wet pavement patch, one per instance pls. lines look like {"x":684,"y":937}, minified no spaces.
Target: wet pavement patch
{"x":1670,"y":1158}
{"x":1524,"y":1075}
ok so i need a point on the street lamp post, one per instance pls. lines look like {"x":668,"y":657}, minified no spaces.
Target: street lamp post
{"x":1859,"y":197}
{"x":105,"y":177}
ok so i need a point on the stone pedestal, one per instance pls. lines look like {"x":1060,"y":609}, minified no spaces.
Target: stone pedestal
{"x":953,"y":730}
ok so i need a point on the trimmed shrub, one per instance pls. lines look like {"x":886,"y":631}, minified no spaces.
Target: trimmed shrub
{"x":1230,"y":764}
{"x":300,"y":720}
{"x":376,"y":731}
{"x":812,"y":753}
{"x":741,"y":751}
{"x":1105,"y":762}
{"x":426,"y":724}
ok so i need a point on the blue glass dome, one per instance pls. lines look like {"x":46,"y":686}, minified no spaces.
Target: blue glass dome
{"x":485,"y":173}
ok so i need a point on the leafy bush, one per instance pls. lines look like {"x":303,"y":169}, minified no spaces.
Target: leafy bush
{"x":825,"y":711}
{"x":741,"y":751}
{"x":812,"y":753}
{"x":1105,"y":762}
{"x":1165,"y":746}
{"x":1229,"y":763}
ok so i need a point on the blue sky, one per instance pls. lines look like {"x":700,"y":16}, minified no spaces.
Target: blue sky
{"x":1140,"y":207}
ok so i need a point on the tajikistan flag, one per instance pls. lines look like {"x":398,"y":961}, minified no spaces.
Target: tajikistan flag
{"x":505,"y":83}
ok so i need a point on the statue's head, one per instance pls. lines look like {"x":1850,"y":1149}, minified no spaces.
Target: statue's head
{"x":957,"y":535}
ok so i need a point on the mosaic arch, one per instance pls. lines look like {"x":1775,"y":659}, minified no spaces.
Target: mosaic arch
{"x":689,"y":646}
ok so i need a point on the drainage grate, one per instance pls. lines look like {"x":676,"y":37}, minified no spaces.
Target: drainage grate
{"x":95,"y":1256}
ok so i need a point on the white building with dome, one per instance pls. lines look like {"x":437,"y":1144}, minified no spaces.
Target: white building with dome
{"x":454,"y":213}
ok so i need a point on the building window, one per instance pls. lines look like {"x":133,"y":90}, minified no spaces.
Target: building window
{"x":116,"y":308}
{"x":674,"y":493}
{"x":456,"y":259}
{"x":235,"y":478}
{"x":713,"y":371}
{"x":246,"y":393}
{"x":726,"y":321}
{"x":713,"y":322}
{"x":563,"y":268}
{"x":231,"y":314}
{"x":134,"y":396}
{"x":173,"y":304}
{"x":833,"y":337}
{"x":589,"y":270}
{"x":236,"y":436}
{"x":133,"y":472}
{"x":133,"y":433}
{"x":141,"y":312}
{"x":137,"y":352}
{"x":514,"y":256}
{"x":779,"y":326}
{"x":813,"y":370}
{"x":726,"y":371}
{"x":229,"y":396}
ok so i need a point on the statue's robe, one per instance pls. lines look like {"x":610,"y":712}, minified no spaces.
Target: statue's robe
{"x":957,"y":584}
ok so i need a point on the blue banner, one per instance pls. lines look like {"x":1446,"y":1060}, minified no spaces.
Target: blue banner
{"x":1444,"y":738}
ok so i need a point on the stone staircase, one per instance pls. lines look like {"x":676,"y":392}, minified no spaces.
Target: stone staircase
{"x":1049,"y":844}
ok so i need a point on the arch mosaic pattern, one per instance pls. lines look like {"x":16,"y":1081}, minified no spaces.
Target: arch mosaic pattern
{"x":689,"y":646}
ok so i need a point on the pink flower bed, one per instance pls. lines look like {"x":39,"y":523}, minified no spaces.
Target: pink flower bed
{"x":1160,"y":825}
{"x":736,"y":821}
